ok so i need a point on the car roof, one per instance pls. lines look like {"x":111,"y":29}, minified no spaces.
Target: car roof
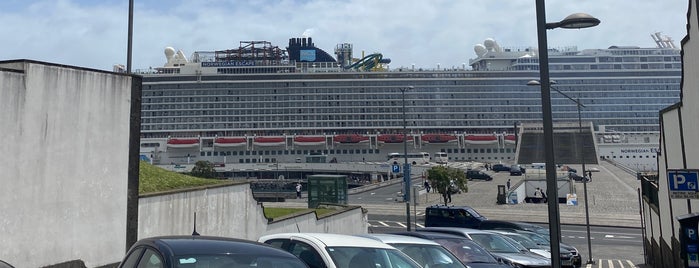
{"x":399,"y":239}
{"x":194,"y":244}
{"x":330,"y":240}
{"x":431,"y":235}
{"x":465,"y":231}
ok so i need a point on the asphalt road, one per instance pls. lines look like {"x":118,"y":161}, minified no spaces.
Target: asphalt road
{"x":612,"y":246}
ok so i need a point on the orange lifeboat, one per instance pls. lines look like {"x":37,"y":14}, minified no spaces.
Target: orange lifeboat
{"x":183,"y":143}
{"x":309,"y":140}
{"x":230,"y":141}
{"x":269,"y":141}
{"x":438,"y":138}
{"x":391,"y":138}
{"x":481,"y":139}
{"x":350,"y":138}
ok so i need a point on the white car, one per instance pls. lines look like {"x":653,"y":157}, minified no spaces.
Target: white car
{"x":425,"y":252}
{"x":320,"y":250}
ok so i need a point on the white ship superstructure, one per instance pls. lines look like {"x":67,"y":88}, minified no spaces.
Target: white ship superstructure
{"x":262,"y":104}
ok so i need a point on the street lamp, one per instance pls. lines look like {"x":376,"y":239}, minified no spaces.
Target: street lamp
{"x":406,"y":166}
{"x":582,"y":160}
{"x":575,"y":21}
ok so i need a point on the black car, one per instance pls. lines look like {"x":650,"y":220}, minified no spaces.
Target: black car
{"x":500,"y":167}
{"x":516,"y":170}
{"x":467,"y":251}
{"x":478,"y":175}
{"x":206,"y":251}
{"x":452,"y":216}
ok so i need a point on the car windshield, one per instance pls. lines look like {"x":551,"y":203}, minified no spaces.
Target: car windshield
{"x":524,"y":241}
{"x":360,"y":257}
{"x":236,"y":260}
{"x":467,"y":251}
{"x":429,"y":255}
{"x":495,"y":243}
{"x":538,"y":238}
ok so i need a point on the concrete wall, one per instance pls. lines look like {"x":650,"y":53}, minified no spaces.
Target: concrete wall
{"x":64,"y":163}
{"x":231,"y":211}
{"x":679,"y":128}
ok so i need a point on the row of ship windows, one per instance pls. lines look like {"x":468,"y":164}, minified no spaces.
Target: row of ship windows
{"x":334,"y":93}
{"x":640,"y":125}
{"x":373,"y":86}
{"x":274,"y":160}
{"x":344,"y":151}
{"x":424,"y":99}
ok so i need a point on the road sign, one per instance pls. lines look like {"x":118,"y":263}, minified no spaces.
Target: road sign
{"x":683,"y":183}
{"x":395,"y":168}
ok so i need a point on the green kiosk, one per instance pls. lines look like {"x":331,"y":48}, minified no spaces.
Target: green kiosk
{"x":326,"y":189}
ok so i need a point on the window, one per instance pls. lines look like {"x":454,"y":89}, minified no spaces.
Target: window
{"x":151,"y":259}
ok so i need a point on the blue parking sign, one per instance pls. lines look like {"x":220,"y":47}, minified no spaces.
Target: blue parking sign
{"x":682,"y":180}
{"x":395,"y":168}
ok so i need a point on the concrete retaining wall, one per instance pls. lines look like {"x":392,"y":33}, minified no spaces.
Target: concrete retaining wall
{"x":231,"y":211}
{"x":64,"y":163}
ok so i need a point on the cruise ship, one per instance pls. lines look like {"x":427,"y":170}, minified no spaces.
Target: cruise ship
{"x":260,"y":103}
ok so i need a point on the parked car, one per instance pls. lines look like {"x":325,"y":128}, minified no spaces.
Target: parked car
{"x":319,"y":250}
{"x":478,"y":175}
{"x":500,"y":167}
{"x":524,"y":227}
{"x":468,"y":252}
{"x":206,"y":251}
{"x":498,"y":245}
{"x":452,"y":216}
{"x":425,"y":252}
{"x":566,"y":257}
{"x":543,"y":240}
{"x":516,"y":170}
{"x":577,"y":178}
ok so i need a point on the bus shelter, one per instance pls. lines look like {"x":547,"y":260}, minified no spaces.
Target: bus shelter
{"x":326,"y":189}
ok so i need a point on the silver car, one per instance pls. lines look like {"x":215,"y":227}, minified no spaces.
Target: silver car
{"x":498,"y":245}
{"x":425,"y":252}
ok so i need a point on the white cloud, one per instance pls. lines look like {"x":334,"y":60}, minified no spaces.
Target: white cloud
{"x":94,"y":33}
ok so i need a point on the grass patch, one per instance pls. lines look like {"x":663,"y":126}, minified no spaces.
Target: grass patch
{"x":154,"y":179}
{"x":273,"y":213}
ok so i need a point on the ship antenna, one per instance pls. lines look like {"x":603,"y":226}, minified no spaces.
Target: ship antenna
{"x":195,"y":225}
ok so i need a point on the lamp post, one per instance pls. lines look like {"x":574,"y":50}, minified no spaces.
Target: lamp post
{"x":582,"y":161}
{"x":575,"y":21}
{"x":406,"y":165}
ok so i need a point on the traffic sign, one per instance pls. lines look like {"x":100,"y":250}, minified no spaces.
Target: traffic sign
{"x":683,"y":183}
{"x":395,"y":168}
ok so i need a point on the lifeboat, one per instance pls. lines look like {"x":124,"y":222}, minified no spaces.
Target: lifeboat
{"x":350,"y":138}
{"x":510,"y":139}
{"x":183,"y":143}
{"x":391,"y":138}
{"x":438,"y":138}
{"x":481,"y":139}
{"x":269,"y":141}
{"x":309,"y":140}
{"x":230,"y":141}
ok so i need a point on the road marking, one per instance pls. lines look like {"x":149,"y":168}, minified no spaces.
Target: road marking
{"x":420,"y":225}
{"x":401,"y":224}
{"x":611,"y":264}
{"x":383,"y":223}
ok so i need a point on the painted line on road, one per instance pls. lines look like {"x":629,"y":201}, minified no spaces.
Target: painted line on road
{"x":383,"y":223}
{"x":419,"y":225}
{"x":401,"y":224}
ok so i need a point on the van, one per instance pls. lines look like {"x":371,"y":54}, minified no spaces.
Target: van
{"x":452,"y":216}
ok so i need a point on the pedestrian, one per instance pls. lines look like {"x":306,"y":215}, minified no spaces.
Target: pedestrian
{"x":543,"y":195}
{"x":508,"y":184}
{"x":427,"y":186}
{"x":298,"y":190}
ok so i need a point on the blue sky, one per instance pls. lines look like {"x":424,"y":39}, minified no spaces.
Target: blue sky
{"x":93,"y":34}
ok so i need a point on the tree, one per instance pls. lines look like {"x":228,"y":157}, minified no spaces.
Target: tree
{"x":447,"y":181}
{"x":203,"y":169}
